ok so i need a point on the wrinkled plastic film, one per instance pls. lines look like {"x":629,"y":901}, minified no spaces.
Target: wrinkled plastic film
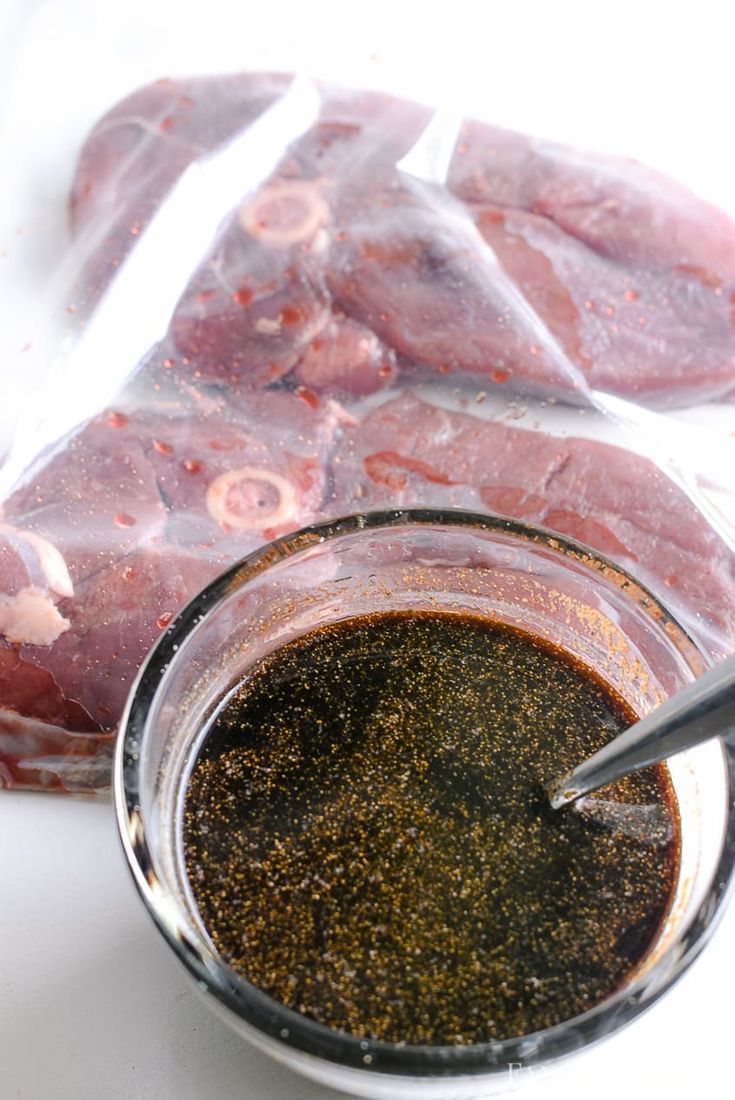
{"x":291,"y":301}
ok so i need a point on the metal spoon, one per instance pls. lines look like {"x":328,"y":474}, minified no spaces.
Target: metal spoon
{"x":701,"y":710}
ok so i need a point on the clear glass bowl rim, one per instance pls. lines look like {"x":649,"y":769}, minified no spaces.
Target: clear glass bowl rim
{"x":289,"y":1027}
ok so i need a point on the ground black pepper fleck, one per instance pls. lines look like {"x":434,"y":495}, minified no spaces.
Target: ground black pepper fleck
{"x":367,"y":839}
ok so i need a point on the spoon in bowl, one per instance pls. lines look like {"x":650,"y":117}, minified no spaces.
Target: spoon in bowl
{"x":700,"y":711}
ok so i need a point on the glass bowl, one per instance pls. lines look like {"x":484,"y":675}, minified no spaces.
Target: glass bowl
{"x":432,"y":560}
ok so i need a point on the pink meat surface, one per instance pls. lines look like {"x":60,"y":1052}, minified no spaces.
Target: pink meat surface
{"x":234,"y":481}
{"x":618,"y":207}
{"x":609,"y":319}
{"x":33,"y":577}
{"x":47,"y":741}
{"x":138,"y":150}
{"x":347,"y":359}
{"x":146,"y":507}
{"x":115,"y":618}
{"x":253,"y":307}
{"x":409,"y":452}
{"x":260,"y":297}
{"x":534,"y":267}
{"x":95,"y":499}
{"x":419,"y":275}
{"x":550,"y":267}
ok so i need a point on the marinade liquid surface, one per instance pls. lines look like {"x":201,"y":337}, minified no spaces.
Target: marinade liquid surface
{"x":367,"y":838}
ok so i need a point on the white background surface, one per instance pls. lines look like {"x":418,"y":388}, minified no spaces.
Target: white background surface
{"x":91,"y":1003}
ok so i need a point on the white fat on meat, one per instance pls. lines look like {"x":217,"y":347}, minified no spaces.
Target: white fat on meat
{"x":33,"y":575}
{"x":31,"y":617}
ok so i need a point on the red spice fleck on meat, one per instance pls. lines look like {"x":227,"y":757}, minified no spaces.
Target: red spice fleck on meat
{"x":163,"y":620}
{"x":243,"y":296}
{"x":308,"y":395}
{"x":500,"y":374}
{"x":117,"y":420}
{"x":166,"y":123}
{"x":191,"y":465}
{"x":122,"y":519}
{"x":491,"y":217}
{"x":205,"y":295}
{"x":168,"y":363}
{"x":162,"y":448}
{"x":631,"y":295}
{"x":290,"y":315}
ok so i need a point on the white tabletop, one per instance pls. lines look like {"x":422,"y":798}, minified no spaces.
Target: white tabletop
{"x":92,"y":1004}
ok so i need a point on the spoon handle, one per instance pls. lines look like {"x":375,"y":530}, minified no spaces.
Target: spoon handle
{"x":701,"y":710}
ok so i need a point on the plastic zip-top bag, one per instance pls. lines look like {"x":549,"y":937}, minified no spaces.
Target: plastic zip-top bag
{"x":286,"y":300}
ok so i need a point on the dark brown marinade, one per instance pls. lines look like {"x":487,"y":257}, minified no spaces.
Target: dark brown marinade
{"x":367,"y":839}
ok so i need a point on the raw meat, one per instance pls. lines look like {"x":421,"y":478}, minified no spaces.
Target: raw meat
{"x":139,"y":149}
{"x":336,"y":274}
{"x":116,"y":617}
{"x":348,"y":359}
{"x":260,"y":297}
{"x":231,"y":482}
{"x":610,"y":320}
{"x":537,"y":265}
{"x":33,"y":577}
{"x":46,"y":741}
{"x":616,"y":206}
{"x":418,"y":274}
{"x":147,"y":506}
{"x":95,"y":499}
{"x":409,"y":452}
